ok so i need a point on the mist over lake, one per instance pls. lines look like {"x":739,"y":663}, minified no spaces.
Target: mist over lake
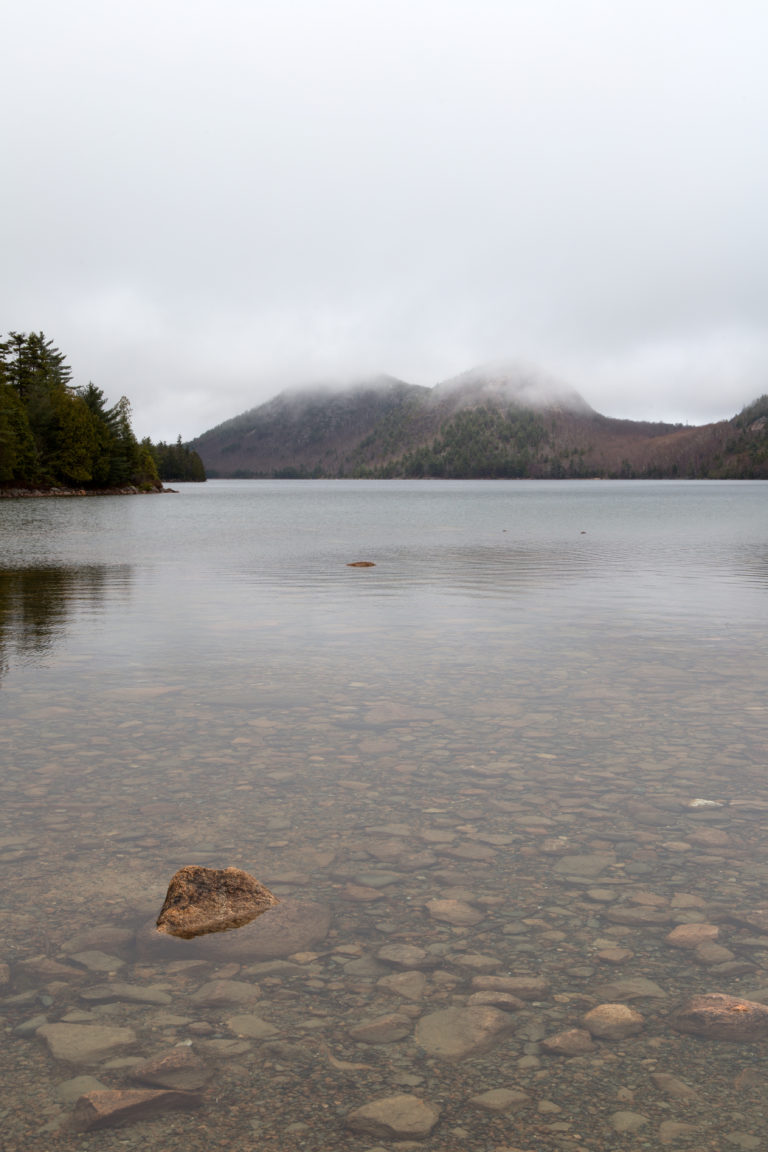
{"x":472,"y":770}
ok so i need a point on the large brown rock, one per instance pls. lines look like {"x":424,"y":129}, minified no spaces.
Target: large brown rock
{"x":111,"y":1108}
{"x":716,"y":1016}
{"x":202,"y":900}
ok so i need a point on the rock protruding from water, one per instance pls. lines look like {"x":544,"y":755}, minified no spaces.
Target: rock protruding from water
{"x":203,"y":900}
{"x":716,"y":1016}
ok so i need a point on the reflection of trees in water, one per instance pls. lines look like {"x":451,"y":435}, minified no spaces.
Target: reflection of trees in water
{"x":36,"y":603}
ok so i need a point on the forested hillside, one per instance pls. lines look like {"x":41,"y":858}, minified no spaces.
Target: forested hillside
{"x":53,"y":434}
{"x":484,"y":424}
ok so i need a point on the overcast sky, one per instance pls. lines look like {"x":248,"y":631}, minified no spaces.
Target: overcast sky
{"x":205,"y":202}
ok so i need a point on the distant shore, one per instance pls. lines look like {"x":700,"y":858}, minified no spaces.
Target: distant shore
{"x":32,"y":493}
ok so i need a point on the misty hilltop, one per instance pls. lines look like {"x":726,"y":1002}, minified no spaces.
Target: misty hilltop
{"x":496,"y":421}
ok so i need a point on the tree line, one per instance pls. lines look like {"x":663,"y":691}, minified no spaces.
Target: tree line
{"x":54,"y":434}
{"x":177,"y":461}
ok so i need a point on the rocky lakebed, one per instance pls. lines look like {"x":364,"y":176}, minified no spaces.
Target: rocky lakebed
{"x":456,"y":963}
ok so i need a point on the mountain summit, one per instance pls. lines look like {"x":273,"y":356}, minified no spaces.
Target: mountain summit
{"x":504,"y":385}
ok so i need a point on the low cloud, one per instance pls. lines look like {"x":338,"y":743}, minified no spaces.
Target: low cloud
{"x":211,"y":202}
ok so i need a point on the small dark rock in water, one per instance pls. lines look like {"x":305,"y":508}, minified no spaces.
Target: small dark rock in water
{"x":361,"y":564}
{"x":202,"y":900}
{"x":716,"y":1016}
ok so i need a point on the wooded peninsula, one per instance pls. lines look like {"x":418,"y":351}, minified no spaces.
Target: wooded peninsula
{"x":54,"y":435}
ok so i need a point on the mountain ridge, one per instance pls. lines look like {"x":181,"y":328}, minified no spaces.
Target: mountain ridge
{"x":492,"y":421}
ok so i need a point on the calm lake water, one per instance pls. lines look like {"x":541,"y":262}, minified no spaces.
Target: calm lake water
{"x":482,"y":750}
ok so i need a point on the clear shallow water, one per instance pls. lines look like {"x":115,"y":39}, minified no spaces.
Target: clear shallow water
{"x":531,"y":671}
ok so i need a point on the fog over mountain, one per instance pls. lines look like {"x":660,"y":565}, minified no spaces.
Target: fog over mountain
{"x":491,"y":422}
{"x":506,"y":383}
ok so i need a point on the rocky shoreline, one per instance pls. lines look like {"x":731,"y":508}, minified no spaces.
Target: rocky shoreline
{"x":126,"y":490}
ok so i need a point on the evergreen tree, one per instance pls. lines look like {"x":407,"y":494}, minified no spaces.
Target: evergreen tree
{"x":74,"y":442}
{"x":104,"y":435}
